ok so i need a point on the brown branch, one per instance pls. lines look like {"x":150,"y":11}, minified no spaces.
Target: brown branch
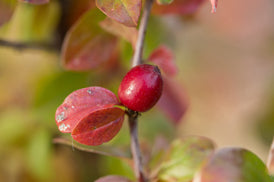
{"x":28,"y":45}
{"x":138,"y":54}
{"x":133,"y":116}
{"x":135,"y":147}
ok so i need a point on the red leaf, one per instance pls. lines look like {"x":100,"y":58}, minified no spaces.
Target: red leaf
{"x":163,"y":57}
{"x":173,"y":101}
{"x":79,"y":104}
{"x":182,"y":7}
{"x":99,"y":126}
{"x":113,"y":178}
{"x":126,"y":12}
{"x":128,"y":33}
{"x":35,"y":1}
{"x":214,"y":4}
{"x":76,"y":10}
{"x":86,"y":46}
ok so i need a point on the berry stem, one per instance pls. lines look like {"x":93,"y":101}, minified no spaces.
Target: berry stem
{"x":135,"y":148}
{"x":138,"y":54}
{"x":133,"y":117}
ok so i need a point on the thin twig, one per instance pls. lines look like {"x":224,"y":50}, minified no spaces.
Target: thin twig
{"x":135,"y":148}
{"x":133,"y":116}
{"x":138,"y":54}
{"x":27,"y":45}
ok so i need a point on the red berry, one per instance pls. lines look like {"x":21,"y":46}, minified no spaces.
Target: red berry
{"x":141,"y":88}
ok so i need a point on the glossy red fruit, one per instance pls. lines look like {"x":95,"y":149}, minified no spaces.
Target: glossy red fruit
{"x":141,"y":88}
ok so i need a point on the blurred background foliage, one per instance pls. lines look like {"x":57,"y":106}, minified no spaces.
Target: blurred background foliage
{"x":226,"y":65}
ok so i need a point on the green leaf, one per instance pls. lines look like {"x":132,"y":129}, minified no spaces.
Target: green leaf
{"x":164,"y":1}
{"x":39,"y":155}
{"x":126,"y":12}
{"x":185,"y":158}
{"x":233,"y":164}
{"x":32,"y":23}
{"x":86,"y":46}
{"x":115,"y":166}
{"x":15,"y":126}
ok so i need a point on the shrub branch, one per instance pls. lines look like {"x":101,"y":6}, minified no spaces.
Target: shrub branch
{"x":133,"y":116}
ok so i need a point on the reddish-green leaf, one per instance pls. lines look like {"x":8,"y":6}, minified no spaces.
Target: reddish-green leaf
{"x":185,"y":157}
{"x":81,"y":103}
{"x":163,"y":57}
{"x":181,"y":7}
{"x":233,"y":164}
{"x":270,"y":161}
{"x":126,"y":12}
{"x":99,"y":126}
{"x":113,"y":178}
{"x":174,"y":100}
{"x":35,"y":1}
{"x":86,"y":46}
{"x":128,"y":33}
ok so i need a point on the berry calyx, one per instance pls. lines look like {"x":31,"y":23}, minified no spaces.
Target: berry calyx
{"x":141,"y":88}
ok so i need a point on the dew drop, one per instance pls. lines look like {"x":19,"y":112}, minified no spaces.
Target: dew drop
{"x":64,"y":127}
{"x":60,"y":117}
{"x":90,"y":92}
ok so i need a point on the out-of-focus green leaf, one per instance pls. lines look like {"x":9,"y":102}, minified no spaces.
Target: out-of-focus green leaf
{"x":32,"y":23}
{"x":39,"y":155}
{"x":184,"y":159}
{"x":164,"y":1}
{"x":154,"y":123}
{"x":86,"y":46}
{"x":115,"y":166}
{"x":265,"y":124}
{"x":233,"y":164}
{"x":52,"y":90}
{"x":15,"y":126}
{"x":157,"y":34}
{"x":126,"y":12}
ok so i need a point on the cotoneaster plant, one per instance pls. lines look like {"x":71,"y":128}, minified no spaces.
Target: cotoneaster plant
{"x":94,"y":115}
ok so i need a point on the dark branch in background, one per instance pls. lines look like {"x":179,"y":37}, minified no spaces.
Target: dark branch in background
{"x":28,"y":45}
{"x":133,"y":116}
